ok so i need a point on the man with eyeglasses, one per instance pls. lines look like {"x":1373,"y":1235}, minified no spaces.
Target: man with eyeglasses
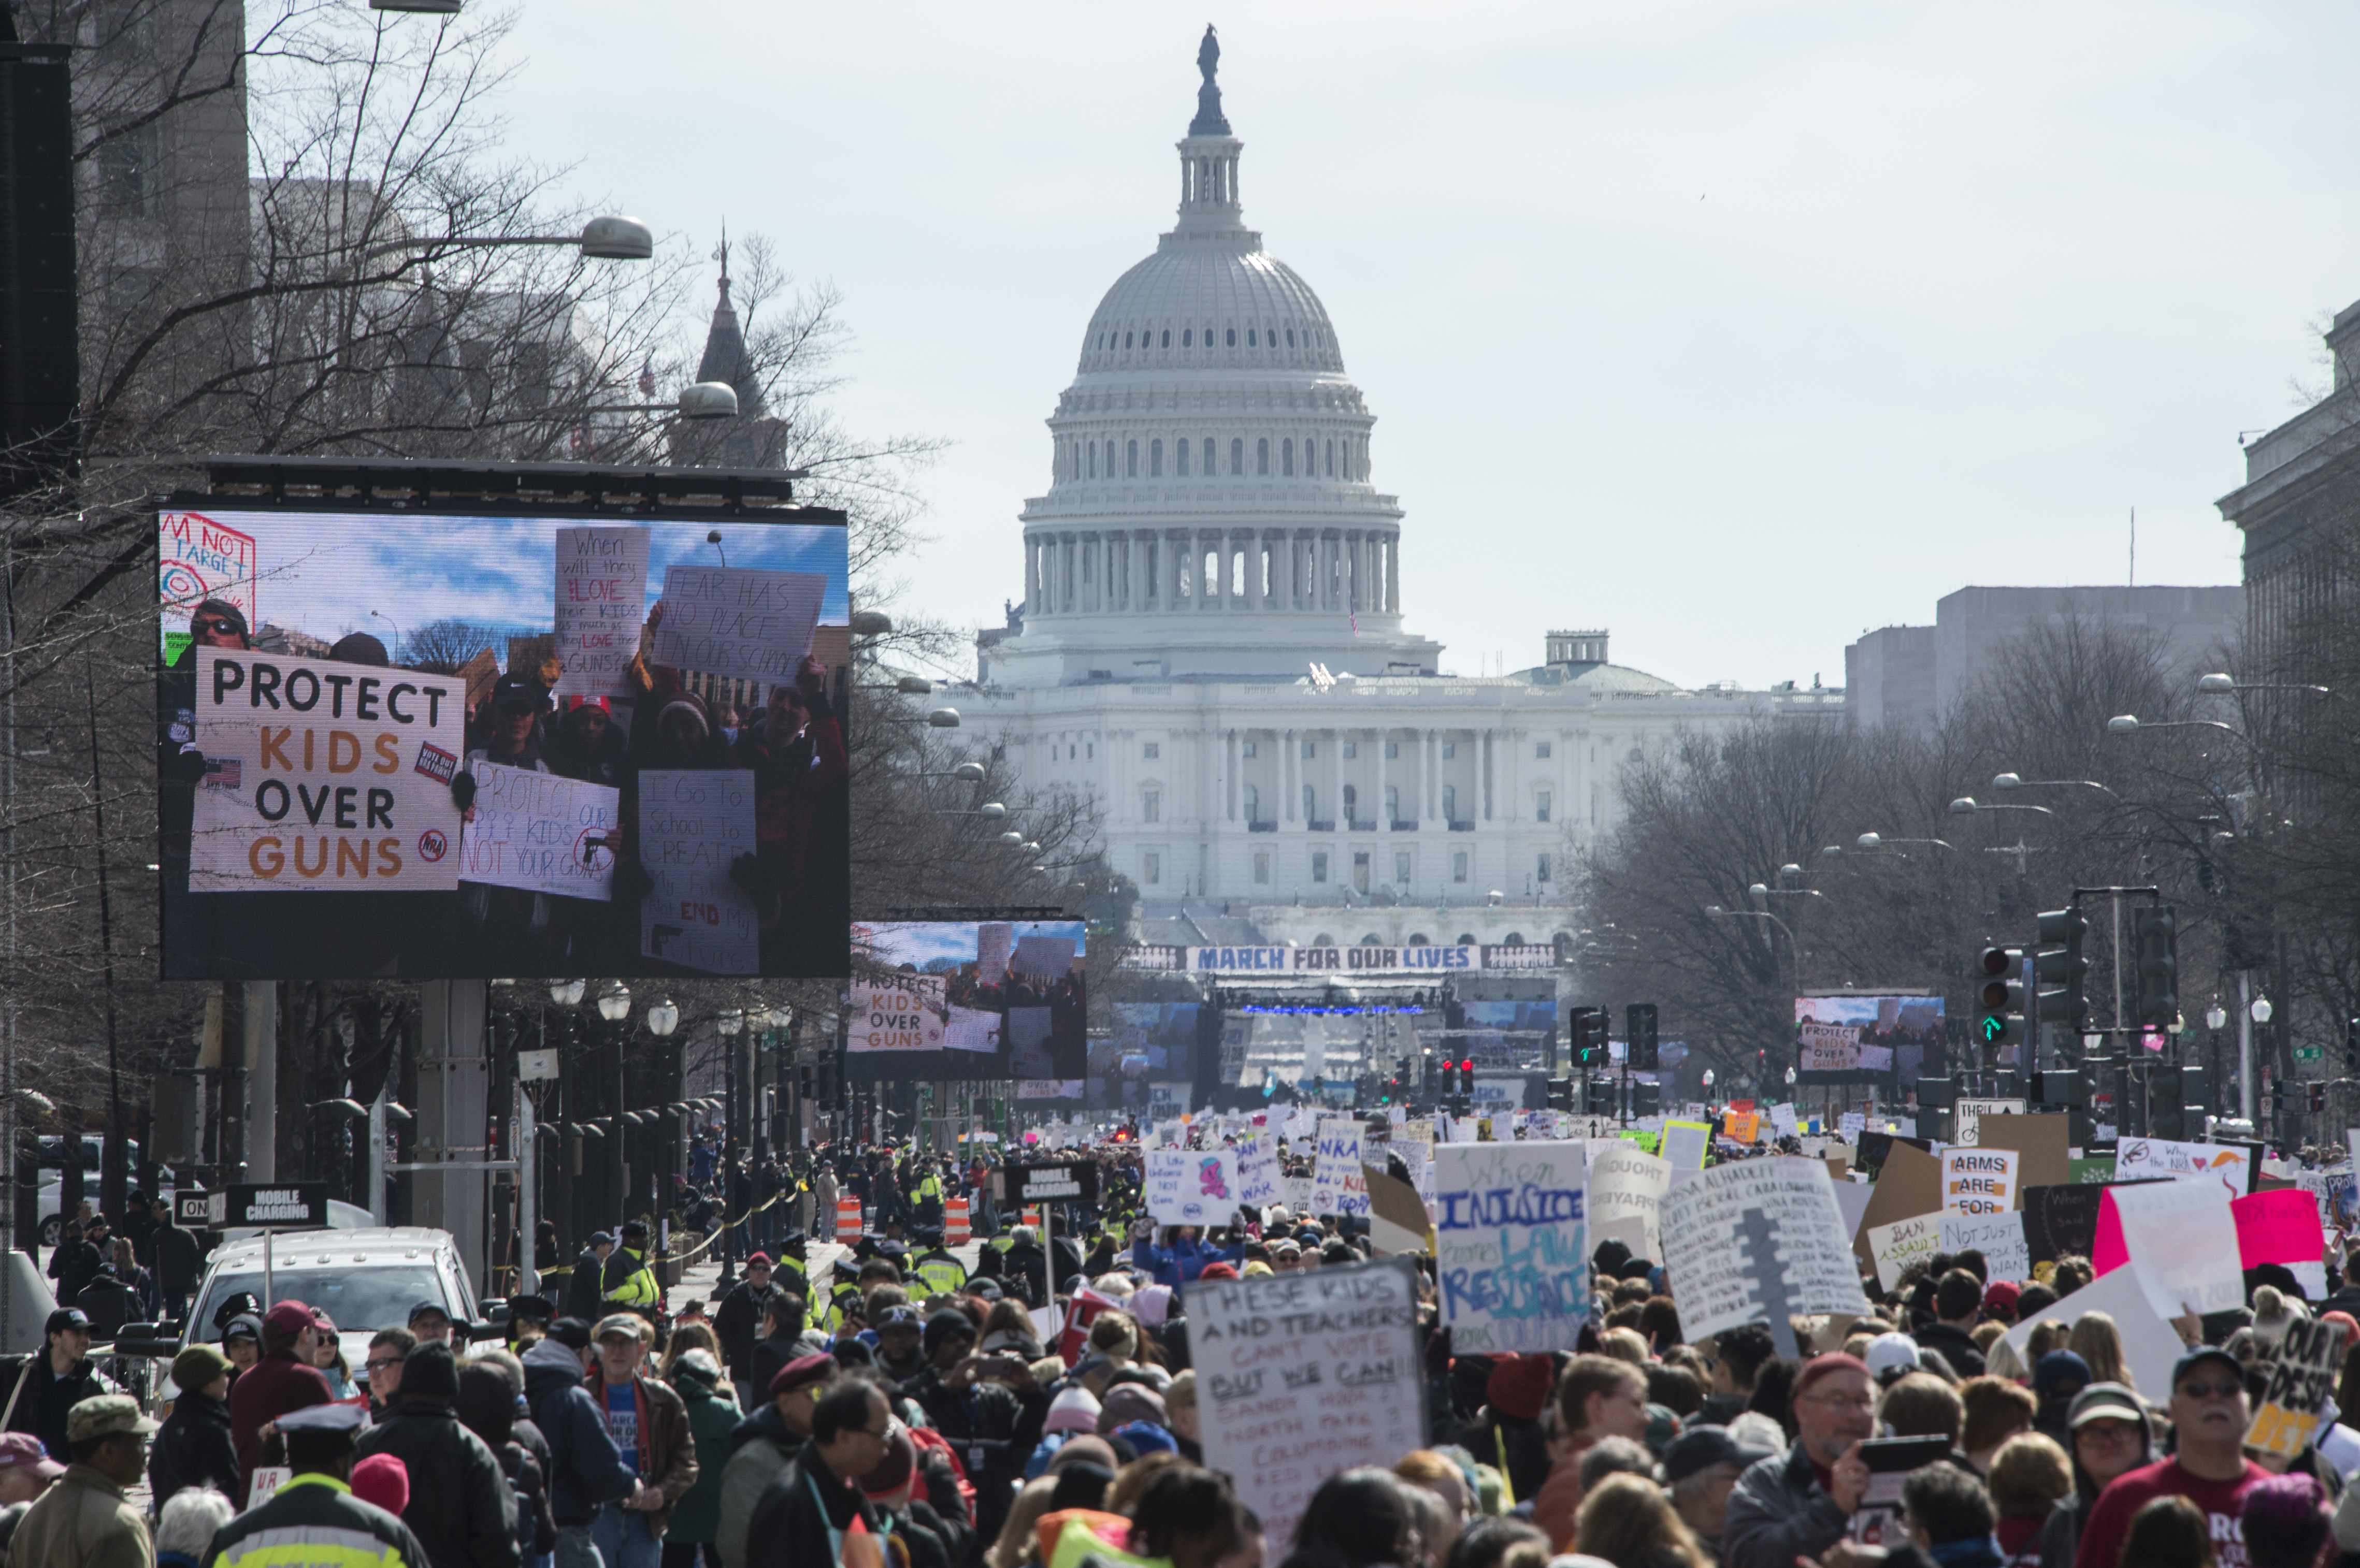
{"x":816,"y":1501}
{"x":1799,"y":1504}
{"x":388,"y":1347}
{"x":2208,"y":1466}
{"x":765,"y":1443}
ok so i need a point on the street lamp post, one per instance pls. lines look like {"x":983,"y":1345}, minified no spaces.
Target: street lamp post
{"x":2251,"y":1010}
{"x":615,"y":1006}
{"x":728,"y":1025}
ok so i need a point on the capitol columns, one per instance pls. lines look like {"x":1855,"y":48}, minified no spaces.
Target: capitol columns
{"x":1393,"y":572}
{"x":1229,"y":786}
{"x":1425,"y":776}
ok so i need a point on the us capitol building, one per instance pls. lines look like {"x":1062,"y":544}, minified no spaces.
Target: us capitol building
{"x":1211,"y":641}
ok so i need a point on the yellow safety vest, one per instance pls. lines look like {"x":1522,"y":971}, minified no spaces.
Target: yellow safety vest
{"x":943,"y":1274}
{"x":639,"y":1288}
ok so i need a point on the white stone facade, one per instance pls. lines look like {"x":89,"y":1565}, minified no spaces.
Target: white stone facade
{"x":1209,"y":534}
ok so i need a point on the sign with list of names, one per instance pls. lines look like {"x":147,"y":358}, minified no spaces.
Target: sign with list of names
{"x":1301,"y":1375}
{"x":692,"y":823}
{"x":1759,"y":1241}
{"x":1511,"y":1246}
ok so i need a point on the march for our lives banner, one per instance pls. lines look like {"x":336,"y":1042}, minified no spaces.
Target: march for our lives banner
{"x":1510,"y":1245}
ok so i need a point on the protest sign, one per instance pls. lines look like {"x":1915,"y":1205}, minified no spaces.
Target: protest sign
{"x":1042,"y":957}
{"x":1397,"y":1217}
{"x":2150,"y":1346}
{"x":323,"y":776}
{"x":1741,"y":1126}
{"x":1192,"y":1186}
{"x":1027,"y":1042}
{"x":903,"y":1014}
{"x":1896,"y":1246}
{"x":1417,"y":1158}
{"x":1258,"y":1175}
{"x":2061,"y":1220}
{"x":741,"y":621}
{"x":1627,"y":1182}
{"x":1510,"y":1248}
{"x":692,"y":823}
{"x":1758,"y":1241}
{"x":1851,"y":1198}
{"x":2039,"y":1139}
{"x":2181,"y":1241}
{"x":1828,"y":1048}
{"x":994,"y":940}
{"x":1998,"y":1236}
{"x":2302,"y":1373}
{"x":1965,"y":1113}
{"x":1978,"y":1181}
{"x":602,"y":595}
{"x":1685,"y":1143}
{"x":1910,"y":1183}
{"x":1336,"y":1184}
{"x":200,"y":558}
{"x":541,"y":833}
{"x":1852,"y":1124}
{"x":1301,"y":1375}
{"x":971,"y":1029}
{"x":2283,"y":1227}
{"x":1295,"y":1192}
{"x":2227,"y":1166}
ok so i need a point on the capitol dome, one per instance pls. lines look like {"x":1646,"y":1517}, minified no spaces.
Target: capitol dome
{"x":1211,"y":512}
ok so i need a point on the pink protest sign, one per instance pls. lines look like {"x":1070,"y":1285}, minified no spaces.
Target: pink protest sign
{"x":2279,"y":1227}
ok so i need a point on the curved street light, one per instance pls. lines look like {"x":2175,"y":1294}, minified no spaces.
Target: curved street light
{"x":609,"y":237}
{"x":2017,"y":781}
{"x":1967,"y":806}
{"x":1874,"y":841}
{"x":2218,"y":683}
{"x":2130,"y":724}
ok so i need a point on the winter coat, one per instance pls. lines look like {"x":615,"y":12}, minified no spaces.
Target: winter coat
{"x":792,"y":1524}
{"x":83,"y":1521}
{"x":461,"y":1504}
{"x":711,"y":1417}
{"x":585,"y":1467}
{"x":738,"y":1323}
{"x":760,"y":1448}
{"x":2061,"y":1532}
{"x":266,"y":1390}
{"x":179,"y":1259}
{"x":41,"y":1409}
{"x":192,"y":1448}
{"x":1953,"y":1345}
{"x":1777,"y":1512}
{"x":322,"y":1513}
{"x":583,"y":1287}
{"x":667,"y":1455}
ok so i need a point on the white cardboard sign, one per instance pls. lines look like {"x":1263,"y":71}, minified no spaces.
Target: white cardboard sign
{"x":1896,"y":1246}
{"x":1627,"y":1182}
{"x":692,"y":823}
{"x":742,"y":621}
{"x":1999,"y":1237}
{"x":1338,"y":1187}
{"x":602,"y":595}
{"x":2182,"y":1240}
{"x":1192,"y":1186}
{"x":1979,"y":1181}
{"x":1758,"y":1241}
{"x":1511,"y":1246}
{"x":541,"y":833}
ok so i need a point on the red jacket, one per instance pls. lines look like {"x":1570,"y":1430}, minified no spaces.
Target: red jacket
{"x":265,"y":1391}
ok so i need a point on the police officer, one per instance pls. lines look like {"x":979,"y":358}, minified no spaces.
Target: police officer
{"x":629,"y":1283}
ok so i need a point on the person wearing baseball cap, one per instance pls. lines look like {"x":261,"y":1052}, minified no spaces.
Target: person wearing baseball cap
{"x":62,"y":1378}
{"x":2109,"y":1434}
{"x":429,"y":1320}
{"x":2210,"y":1412}
{"x":1799,"y":1504}
{"x":1700,"y":1469}
{"x":317,"y":1506}
{"x":282,"y":1381}
{"x":86,"y":1516}
{"x":767,"y":1442}
{"x":193,"y":1447}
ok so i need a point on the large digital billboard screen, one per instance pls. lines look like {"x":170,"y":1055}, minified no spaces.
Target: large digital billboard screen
{"x":1865,"y":1038}
{"x":943,"y":999}
{"x":442,"y":745}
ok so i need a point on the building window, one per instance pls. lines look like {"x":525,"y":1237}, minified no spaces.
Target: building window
{"x":1541,"y":869}
{"x":1262,"y":455}
{"x":1310,"y":799}
{"x":1392,"y":749}
{"x":1126,"y":340}
{"x":1094,"y":460}
{"x":1361,"y":877}
{"x":1109,"y":460}
{"x":1151,"y":868}
{"x":1251,"y":340}
{"x":1459,"y":866}
{"x":1319,"y":865}
{"x":1310,"y":748}
{"x":1541,"y":749}
{"x":1352,"y":748}
{"x":1252,"y":803}
{"x":1155,"y":458}
{"x":1261,"y":866}
{"x":1246,"y":748}
{"x":1180,"y":458}
{"x":1450,"y":802}
{"x":1091,"y":751}
{"x":1151,"y":750}
{"x":1450,"y":749}
{"x":1286,"y":457}
{"x":1351,"y":803}
{"x":1188,"y":337}
{"x":1393,"y":802}
{"x":1151,"y":806}
{"x":1237,"y":455}
{"x":1331,"y":460}
{"x":1070,"y":752}
{"x":1541,"y":807}
{"x":1233,"y":337}
{"x":1167,"y":337}
{"x":1208,"y":457}
{"x":1401,"y":865}
{"x":1132,"y":470}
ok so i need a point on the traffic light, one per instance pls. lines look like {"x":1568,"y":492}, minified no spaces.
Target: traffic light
{"x":1560,"y":1093}
{"x":2155,"y":940}
{"x":1646,"y":1100}
{"x":2318,"y":1095}
{"x":2064,"y":969}
{"x":2352,"y":1048}
{"x":1594,"y":1036}
{"x":1639,"y":1028}
{"x":1577,"y":1035}
{"x":2167,"y":1104}
{"x":1598,"y":1098}
{"x":2279,"y":1095}
{"x":1999,"y":999}
{"x":1467,"y":1076}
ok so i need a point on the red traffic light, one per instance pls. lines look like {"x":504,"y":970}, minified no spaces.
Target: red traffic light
{"x":1468,"y":1065}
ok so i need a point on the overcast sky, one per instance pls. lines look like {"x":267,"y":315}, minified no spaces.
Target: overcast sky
{"x":1735,"y":328}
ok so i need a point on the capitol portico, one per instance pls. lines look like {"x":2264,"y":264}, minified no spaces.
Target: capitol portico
{"x":1211,"y":640}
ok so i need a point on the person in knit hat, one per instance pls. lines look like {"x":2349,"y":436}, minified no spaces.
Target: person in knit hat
{"x":461,"y":1506}
{"x":383,"y":1480}
{"x":193,"y":1447}
{"x":1128,"y":1402}
{"x":1800,"y":1503}
{"x":1506,"y":1432}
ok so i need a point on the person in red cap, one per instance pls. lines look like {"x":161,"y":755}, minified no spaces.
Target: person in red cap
{"x":1219,"y":1271}
{"x":1507,"y":1431}
{"x":283,"y":1380}
{"x":1999,"y":1301}
{"x":1799,"y":1503}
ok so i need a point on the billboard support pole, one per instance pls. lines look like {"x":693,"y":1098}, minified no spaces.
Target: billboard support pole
{"x":375,"y":1165}
{"x":528,"y":1217}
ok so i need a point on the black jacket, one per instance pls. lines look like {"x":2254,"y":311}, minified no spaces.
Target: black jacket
{"x":986,"y":1420}
{"x":74,"y":1264}
{"x":583,"y":1289}
{"x":460,"y":1501}
{"x":41,"y":1409}
{"x":763,"y":1362}
{"x":1955,"y":1346}
{"x":192,"y":1448}
{"x":792,"y":1523}
{"x":738,"y":1323}
{"x":180,"y":1257}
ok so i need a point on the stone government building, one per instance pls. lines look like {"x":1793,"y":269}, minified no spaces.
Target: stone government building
{"x":1212,"y":644}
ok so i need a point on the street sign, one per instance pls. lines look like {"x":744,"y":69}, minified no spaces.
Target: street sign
{"x":292,"y":1206}
{"x":1076,"y":1180}
{"x":2309,"y":1052}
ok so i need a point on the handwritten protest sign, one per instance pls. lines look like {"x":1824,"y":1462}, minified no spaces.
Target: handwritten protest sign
{"x":1685,"y":1143}
{"x":692,"y":823}
{"x":1966,"y":1114}
{"x":1741,"y":1126}
{"x":2183,"y":1244}
{"x":323,"y":776}
{"x":542,"y":832}
{"x":200,"y":558}
{"x":1896,"y":1246}
{"x":2061,"y":1220}
{"x":2303,"y":1371}
{"x":1510,"y":1245}
{"x":1758,"y":1241}
{"x":1998,"y":1236}
{"x":1192,"y":1186}
{"x":1336,"y":1184}
{"x":2226,"y":1166}
{"x":1028,"y":1041}
{"x":1828,"y":1048}
{"x":602,"y":594}
{"x":903,"y":1014}
{"x":1301,"y":1375}
{"x":738,"y":621}
{"x":1258,"y":1169}
{"x":971,"y":1028}
{"x":1626,"y":1182}
{"x":1043,"y":957}
{"x":1979,"y":1181}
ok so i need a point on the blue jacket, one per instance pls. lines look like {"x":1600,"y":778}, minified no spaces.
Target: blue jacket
{"x":1179,"y":1263}
{"x":585,"y":1467}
